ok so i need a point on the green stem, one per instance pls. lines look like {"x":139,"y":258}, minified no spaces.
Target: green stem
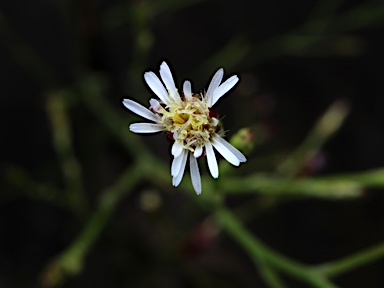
{"x":372,"y":178}
{"x":71,"y":260}
{"x":23,"y":184}
{"x":270,"y":276}
{"x":91,"y":93}
{"x":261,"y":253}
{"x":326,"y":126}
{"x":351,"y":262}
{"x":63,"y":145}
{"x":272,"y":185}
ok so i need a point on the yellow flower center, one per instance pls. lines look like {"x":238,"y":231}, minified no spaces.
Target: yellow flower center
{"x":189,"y":121}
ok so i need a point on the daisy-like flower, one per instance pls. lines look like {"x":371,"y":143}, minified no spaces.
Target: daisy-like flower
{"x":189,"y":120}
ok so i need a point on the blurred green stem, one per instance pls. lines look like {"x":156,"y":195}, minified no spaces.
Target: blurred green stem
{"x":332,"y":186}
{"x":22,"y":182}
{"x":63,"y":145}
{"x":261,"y":253}
{"x":269,"y":275}
{"x":319,"y":35}
{"x":71,"y":260}
{"x":373,"y":178}
{"x":91,"y":94}
{"x":273,"y":185}
{"x":350,"y":262}
{"x":325,"y":127}
{"x":314,"y":275}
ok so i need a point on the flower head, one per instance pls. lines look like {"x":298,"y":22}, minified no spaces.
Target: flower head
{"x":189,"y":120}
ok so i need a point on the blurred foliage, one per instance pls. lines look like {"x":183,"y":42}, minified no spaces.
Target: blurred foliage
{"x":86,"y":203}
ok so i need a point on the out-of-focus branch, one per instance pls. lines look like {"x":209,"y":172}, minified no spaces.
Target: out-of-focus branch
{"x":324,"y":34}
{"x":332,"y":187}
{"x":350,"y":262}
{"x":278,"y":186}
{"x":259,"y":252}
{"x":62,"y":143}
{"x":324,"y":129}
{"x":70,"y":262}
{"x":20,"y":181}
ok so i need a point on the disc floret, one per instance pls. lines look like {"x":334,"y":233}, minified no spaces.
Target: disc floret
{"x":190,"y":122}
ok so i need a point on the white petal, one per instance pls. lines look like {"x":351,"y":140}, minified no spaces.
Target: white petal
{"x":215,"y":121}
{"x":176,"y":163}
{"x":198,"y":151}
{"x":232,"y":149}
{"x":195,"y":174}
{"x":146,"y":128}
{"x":215,"y":82}
{"x":177,"y":148}
{"x":224,"y":88}
{"x":139,"y":110}
{"x":167,"y":78}
{"x":225,"y":152}
{"x":212,"y":163}
{"x":187,"y":89}
{"x":177,"y":178}
{"x":155,"y":105}
{"x":157,"y":87}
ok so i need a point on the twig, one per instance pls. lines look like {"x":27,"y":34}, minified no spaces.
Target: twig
{"x":62,"y":143}
{"x":71,"y":260}
{"x":350,"y":262}
{"x":261,"y":253}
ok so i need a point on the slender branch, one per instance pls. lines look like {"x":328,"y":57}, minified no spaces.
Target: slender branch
{"x":261,"y":253}
{"x":272,"y":185}
{"x":331,"y":186}
{"x":372,"y":178}
{"x":350,"y":262}
{"x":62,"y":142}
{"x":326,"y":126}
{"x":21,"y":182}
{"x":71,"y":260}
{"x":91,"y":94}
{"x":270,"y":276}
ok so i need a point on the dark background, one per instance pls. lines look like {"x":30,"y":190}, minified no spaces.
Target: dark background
{"x":284,"y":88}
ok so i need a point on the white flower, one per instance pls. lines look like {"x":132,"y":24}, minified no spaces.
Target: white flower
{"x":189,"y":120}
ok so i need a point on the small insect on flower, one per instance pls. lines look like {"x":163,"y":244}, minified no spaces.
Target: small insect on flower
{"x":189,"y":120}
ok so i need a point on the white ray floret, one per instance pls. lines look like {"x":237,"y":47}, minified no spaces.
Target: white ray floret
{"x":211,"y":158}
{"x":232,"y":149}
{"x":187,"y":89}
{"x":215,"y":82}
{"x":156,"y":86}
{"x":167,"y":78}
{"x":139,"y":110}
{"x":224,"y":88}
{"x":177,"y":148}
{"x":177,"y":163}
{"x":177,"y":178}
{"x":146,"y":128}
{"x":195,"y":173}
{"x":198,"y":151}
{"x":189,"y":121}
{"x":225,"y":152}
